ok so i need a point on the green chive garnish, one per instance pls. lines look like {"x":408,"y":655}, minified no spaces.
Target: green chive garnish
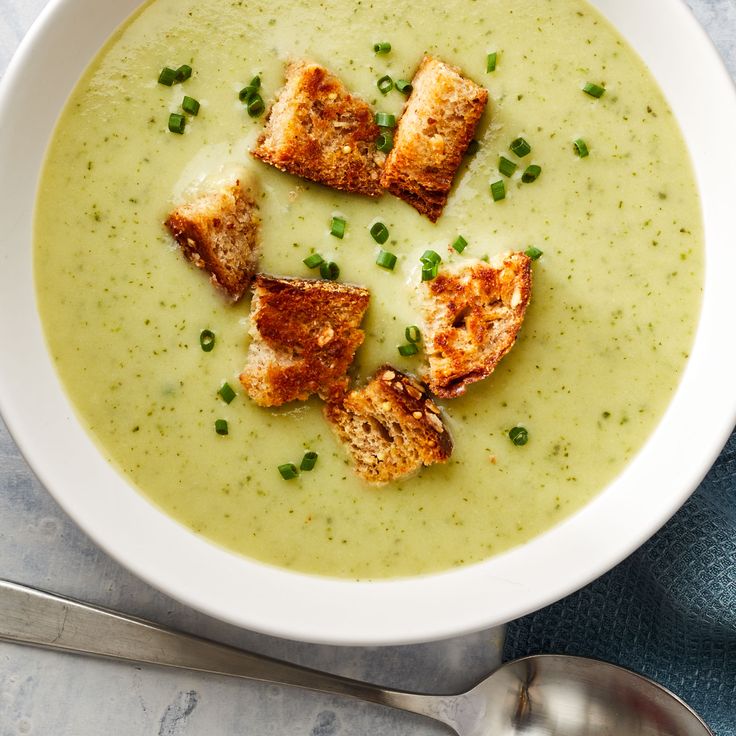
{"x":460,"y":244}
{"x":385,"y":142}
{"x":404,"y":86}
{"x":430,"y":271}
{"x":519,"y":436}
{"x":313,"y":261}
{"x":382,"y":47}
{"x":226,"y":393}
{"x":506,"y":166}
{"x":309,"y":461}
{"x":408,"y":350}
{"x":385,"y":84}
{"x":431,"y":258}
{"x":413,"y":334}
{"x":594,"y":90}
{"x":491,"y":60}
{"x":190,"y":105}
{"x":581,"y":148}
{"x":177,"y":123}
{"x":531,"y":174}
{"x":221,"y":426}
{"x":207,"y":340}
{"x":379,"y":233}
{"x":329,"y":270}
{"x":473,"y":148}
{"x":167,"y":76}
{"x":183,"y":73}
{"x":256,"y":106}
{"x":288,"y":471}
{"x":386,"y":260}
{"x":533,"y":253}
{"x":385,"y":120}
{"x":248,"y":93}
{"x":255,"y":83}
{"x":520,"y":147}
{"x":498,"y":190}
{"x":337,"y":227}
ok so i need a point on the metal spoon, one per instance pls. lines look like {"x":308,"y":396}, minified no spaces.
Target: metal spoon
{"x":545,"y":695}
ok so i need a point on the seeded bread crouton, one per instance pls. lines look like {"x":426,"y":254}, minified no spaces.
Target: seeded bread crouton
{"x":472,"y":316}
{"x":218,"y":231}
{"x":391,"y":427}
{"x":317,"y":130}
{"x":305,"y":334}
{"x":432,"y":136}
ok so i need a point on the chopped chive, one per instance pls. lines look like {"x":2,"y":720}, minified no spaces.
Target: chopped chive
{"x":385,"y":142}
{"x":498,"y":190}
{"x":288,"y":471}
{"x":190,"y":105}
{"x":431,"y":258}
{"x":248,"y":93}
{"x":226,"y":393}
{"x":329,"y":270}
{"x":385,"y":120}
{"x":221,"y":427}
{"x":207,"y":340}
{"x":386,"y":260}
{"x":519,"y":436}
{"x":413,"y":334}
{"x":167,"y":76}
{"x":183,"y":73}
{"x":473,"y":148}
{"x":313,"y":261}
{"x":309,"y":461}
{"x":255,"y":82}
{"x":337,"y":227}
{"x":404,"y":86}
{"x":385,"y":84}
{"x":407,"y":350}
{"x":506,"y":166}
{"x":256,"y":106}
{"x":491,"y":61}
{"x":177,"y":123}
{"x":581,"y":148}
{"x":460,"y":244}
{"x":520,"y":147}
{"x":531,"y":174}
{"x":594,"y":90}
{"x":379,"y":233}
{"x":382,"y":47}
{"x":533,"y":253}
{"x":430,"y":271}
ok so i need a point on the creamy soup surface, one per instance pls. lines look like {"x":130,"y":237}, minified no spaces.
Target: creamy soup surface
{"x":614,"y":306}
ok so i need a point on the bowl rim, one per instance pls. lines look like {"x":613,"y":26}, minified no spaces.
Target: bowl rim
{"x":264,"y":598}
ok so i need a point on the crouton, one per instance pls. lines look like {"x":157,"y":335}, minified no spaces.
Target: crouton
{"x":218,"y":231}
{"x":305,"y":334}
{"x":391,"y":427}
{"x":317,"y":130}
{"x":472,"y":315}
{"x":432,"y":136}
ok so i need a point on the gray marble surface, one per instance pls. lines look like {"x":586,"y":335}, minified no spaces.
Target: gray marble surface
{"x":62,"y":695}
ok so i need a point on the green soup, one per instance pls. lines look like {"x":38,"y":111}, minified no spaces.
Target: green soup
{"x":614,"y":306}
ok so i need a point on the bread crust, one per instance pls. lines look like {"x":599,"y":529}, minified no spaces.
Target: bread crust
{"x":304,"y":337}
{"x":432,"y":136}
{"x":391,"y":427}
{"x":317,"y":130}
{"x":472,"y":316}
{"x":218,"y":231}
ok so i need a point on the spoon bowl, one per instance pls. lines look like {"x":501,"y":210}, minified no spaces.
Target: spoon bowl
{"x":541,"y":695}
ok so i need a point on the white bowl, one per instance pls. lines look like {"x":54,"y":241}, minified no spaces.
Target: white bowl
{"x":297,"y":606}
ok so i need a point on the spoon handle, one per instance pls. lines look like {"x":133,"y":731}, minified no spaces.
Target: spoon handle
{"x":35,"y":617}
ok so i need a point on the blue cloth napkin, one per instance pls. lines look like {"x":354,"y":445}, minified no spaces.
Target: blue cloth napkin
{"x":668,"y":611}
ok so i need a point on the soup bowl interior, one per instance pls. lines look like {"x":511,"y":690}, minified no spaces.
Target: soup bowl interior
{"x":247,"y":593}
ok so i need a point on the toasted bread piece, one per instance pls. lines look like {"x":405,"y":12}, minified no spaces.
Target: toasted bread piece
{"x":317,"y":130}
{"x":472,"y":315}
{"x":433,"y":134}
{"x":391,"y":427}
{"x":305,"y":334}
{"x":218,"y":231}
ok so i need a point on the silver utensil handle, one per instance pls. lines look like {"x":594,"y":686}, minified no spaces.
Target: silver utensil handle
{"x":31,"y":616}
